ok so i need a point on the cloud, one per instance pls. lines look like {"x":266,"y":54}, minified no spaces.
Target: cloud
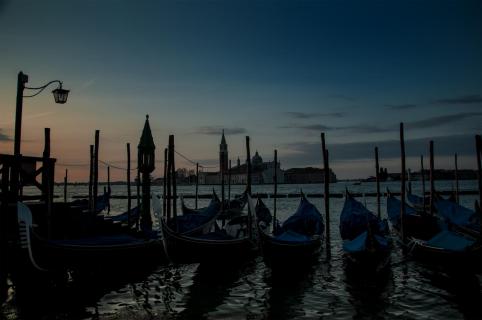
{"x":362,"y":128}
{"x":305,"y":153}
{"x":441,"y":120}
{"x":401,"y":106}
{"x":4,"y":137}
{"x":217,"y":130}
{"x":465,"y":99}
{"x":309,"y":115}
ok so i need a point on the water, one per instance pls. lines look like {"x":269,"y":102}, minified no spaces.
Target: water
{"x":328,"y":289}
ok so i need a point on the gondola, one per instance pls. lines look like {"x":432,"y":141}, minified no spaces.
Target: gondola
{"x":420,"y":225}
{"x":366,"y":239}
{"x":89,"y":253}
{"x":196,"y":221}
{"x":462,"y":219}
{"x":296,"y":241}
{"x":102,"y":203}
{"x":433,"y":239}
{"x":231,"y":244}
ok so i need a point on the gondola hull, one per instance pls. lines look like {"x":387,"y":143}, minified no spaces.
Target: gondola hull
{"x":282,"y":253}
{"x":190,"y":249}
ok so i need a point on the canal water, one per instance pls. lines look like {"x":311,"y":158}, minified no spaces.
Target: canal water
{"x":328,"y":289}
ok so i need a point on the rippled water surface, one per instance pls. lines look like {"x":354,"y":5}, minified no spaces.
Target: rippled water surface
{"x":327,"y":289}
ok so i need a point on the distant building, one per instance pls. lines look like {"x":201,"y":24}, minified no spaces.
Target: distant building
{"x":261,"y":172}
{"x":307,"y":175}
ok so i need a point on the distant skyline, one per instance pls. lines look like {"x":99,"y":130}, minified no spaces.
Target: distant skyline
{"x":279,"y":71}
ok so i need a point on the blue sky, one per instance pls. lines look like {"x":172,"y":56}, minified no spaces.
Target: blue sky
{"x":279,"y":71}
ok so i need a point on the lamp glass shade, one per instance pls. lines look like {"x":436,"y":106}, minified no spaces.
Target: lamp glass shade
{"x":60,"y":95}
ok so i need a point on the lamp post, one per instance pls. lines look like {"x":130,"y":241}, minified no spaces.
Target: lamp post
{"x":60,"y":96}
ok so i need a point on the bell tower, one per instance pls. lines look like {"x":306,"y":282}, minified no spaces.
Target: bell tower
{"x":223,"y":155}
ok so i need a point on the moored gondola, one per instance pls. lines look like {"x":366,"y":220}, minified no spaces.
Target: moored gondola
{"x":296,"y":241}
{"x":366,"y":239}
{"x":87,"y":253}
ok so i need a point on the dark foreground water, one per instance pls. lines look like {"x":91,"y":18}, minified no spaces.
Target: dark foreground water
{"x":329,"y":289}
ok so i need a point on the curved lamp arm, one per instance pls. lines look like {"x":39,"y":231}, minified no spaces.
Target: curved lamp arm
{"x":42,"y":88}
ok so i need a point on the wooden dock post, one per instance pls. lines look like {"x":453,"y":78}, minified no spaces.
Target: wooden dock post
{"x":223,"y":198}
{"x":168,"y":182}
{"x":91,"y":179}
{"x":377,"y":168}
{"x":456,"y":179}
{"x":65,"y":185}
{"x":422,"y":170}
{"x":248,"y":187}
{"x":197,"y":183}
{"x":108,"y":188}
{"x":229,"y":182}
{"x":478,"y":147}
{"x":47,"y":182}
{"x":275,"y":188}
{"x":173,"y":176}
{"x":402,"y":189}
{"x":128,"y":173}
{"x":248,"y":166}
{"x":326,"y":194}
{"x":164,"y":185}
{"x":96,"y":168}
{"x":432,"y":178}
{"x":138,"y":195}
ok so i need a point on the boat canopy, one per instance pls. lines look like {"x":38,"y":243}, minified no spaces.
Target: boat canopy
{"x":393,"y":210}
{"x":456,"y":214}
{"x":307,"y":220}
{"x":355,"y":218}
{"x":360,"y":243}
{"x":190,"y":221}
{"x":451,"y":241}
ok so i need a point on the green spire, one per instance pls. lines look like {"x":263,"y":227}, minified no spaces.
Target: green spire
{"x":223,"y":139}
{"x":147,"y":142}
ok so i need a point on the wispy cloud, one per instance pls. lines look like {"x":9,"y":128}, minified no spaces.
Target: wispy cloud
{"x":309,"y":152}
{"x":441,"y":120}
{"x":406,"y":106}
{"x":309,"y":115}
{"x":217,"y":130}
{"x":465,"y":99}
{"x":370,"y":128}
{"x":4,"y":137}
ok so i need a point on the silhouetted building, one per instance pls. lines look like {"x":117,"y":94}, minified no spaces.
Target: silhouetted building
{"x":307,"y":175}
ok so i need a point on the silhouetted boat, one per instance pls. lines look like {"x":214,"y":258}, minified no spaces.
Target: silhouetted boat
{"x":89,"y":253}
{"x":420,"y":225}
{"x":297,"y":240}
{"x":102,"y":203}
{"x":462,"y":219}
{"x":195,"y":221}
{"x":231,"y":244}
{"x":365,"y":236}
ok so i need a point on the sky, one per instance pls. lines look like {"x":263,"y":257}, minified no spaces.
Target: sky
{"x":281,"y":72}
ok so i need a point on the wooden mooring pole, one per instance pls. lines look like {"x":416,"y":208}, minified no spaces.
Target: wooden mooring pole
{"x":173,"y":174}
{"x":229,"y":182}
{"x":326,"y":194}
{"x":422,"y":170}
{"x":164,"y":184}
{"x":168,"y":182}
{"x":248,"y":187}
{"x":456,"y":179}
{"x":65,"y":184}
{"x":197,"y":183}
{"x":402,"y":187}
{"x":91,"y":177}
{"x":96,"y":168}
{"x":478,"y":146}
{"x":275,"y":188}
{"x":377,"y":168}
{"x":108,"y":188}
{"x":432,"y":178}
{"x":128,"y":173}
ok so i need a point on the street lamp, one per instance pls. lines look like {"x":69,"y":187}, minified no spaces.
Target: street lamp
{"x":60,"y":96}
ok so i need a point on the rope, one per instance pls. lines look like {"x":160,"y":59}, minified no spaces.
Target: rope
{"x":193,"y":162}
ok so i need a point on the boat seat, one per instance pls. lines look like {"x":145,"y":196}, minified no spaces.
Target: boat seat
{"x":25,"y":225}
